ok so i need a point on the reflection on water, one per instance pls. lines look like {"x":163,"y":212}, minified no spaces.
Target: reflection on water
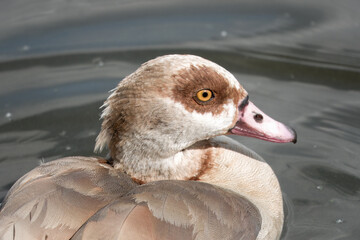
{"x":68,"y":137}
{"x":336,"y":179}
{"x":162,"y":25}
{"x":299,"y":62}
{"x":341,"y":122}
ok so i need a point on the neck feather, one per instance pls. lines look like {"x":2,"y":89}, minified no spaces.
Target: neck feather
{"x":241,"y":170}
{"x":146,"y":166}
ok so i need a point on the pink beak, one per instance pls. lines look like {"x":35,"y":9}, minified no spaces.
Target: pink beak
{"x":252,"y":122}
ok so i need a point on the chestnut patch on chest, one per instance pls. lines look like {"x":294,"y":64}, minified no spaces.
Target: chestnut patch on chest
{"x":189,"y":81}
{"x":138,"y":181}
{"x":207,"y":158}
{"x":206,"y":165}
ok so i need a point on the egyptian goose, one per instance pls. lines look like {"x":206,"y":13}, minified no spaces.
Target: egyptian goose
{"x":170,"y":173}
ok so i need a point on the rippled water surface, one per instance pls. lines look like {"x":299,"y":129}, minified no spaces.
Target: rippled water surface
{"x":299,"y":61}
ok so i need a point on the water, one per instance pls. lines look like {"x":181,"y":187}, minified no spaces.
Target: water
{"x":300,"y":62}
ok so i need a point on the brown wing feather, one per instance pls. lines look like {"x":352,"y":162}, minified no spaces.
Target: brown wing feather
{"x":175,"y":210}
{"x":55,"y":199}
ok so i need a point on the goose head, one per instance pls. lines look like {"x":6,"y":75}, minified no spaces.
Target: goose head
{"x":157,"y":116}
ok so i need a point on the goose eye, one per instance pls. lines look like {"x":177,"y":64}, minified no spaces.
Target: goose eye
{"x":204,"y":95}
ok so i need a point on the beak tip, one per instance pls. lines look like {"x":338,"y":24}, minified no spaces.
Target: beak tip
{"x":294,"y":140}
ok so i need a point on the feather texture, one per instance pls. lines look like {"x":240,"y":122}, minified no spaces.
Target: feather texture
{"x":175,"y":210}
{"x":55,"y":199}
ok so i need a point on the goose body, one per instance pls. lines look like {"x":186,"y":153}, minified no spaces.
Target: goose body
{"x":171,"y":173}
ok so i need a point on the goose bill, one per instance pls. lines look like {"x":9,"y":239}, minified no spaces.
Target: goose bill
{"x":252,"y":122}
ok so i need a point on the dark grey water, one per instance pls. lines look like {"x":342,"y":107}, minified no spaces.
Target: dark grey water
{"x":300,"y":62}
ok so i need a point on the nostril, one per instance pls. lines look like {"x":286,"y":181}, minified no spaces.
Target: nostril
{"x":258,"y":117}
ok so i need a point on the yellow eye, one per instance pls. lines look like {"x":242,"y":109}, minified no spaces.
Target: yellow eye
{"x":204,"y":95}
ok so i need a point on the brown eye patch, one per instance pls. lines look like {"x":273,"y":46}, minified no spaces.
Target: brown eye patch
{"x":189,"y":80}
